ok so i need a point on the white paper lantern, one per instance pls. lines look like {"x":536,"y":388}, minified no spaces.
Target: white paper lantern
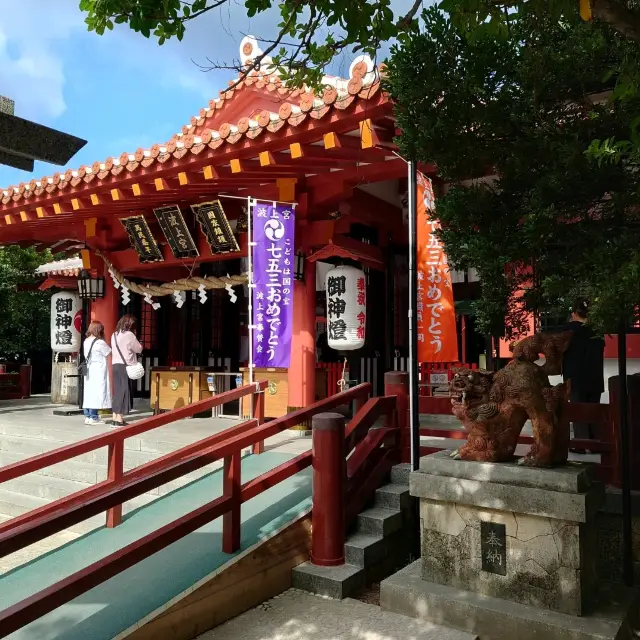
{"x":346,"y":308}
{"x":66,"y":322}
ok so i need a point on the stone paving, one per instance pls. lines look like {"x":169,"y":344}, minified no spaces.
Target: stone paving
{"x":296,"y":615}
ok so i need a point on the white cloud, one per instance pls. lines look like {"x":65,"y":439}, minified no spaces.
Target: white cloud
{"x":31,"y":71}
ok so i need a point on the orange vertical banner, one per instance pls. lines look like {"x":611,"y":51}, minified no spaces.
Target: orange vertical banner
{"x":437,"y":338}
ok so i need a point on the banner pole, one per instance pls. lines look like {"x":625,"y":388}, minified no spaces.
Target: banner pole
{"x":250,"y":281}
{"x":414,"y":418}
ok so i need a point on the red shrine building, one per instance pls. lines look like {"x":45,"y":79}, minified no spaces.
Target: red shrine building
{"x":332,"y":156}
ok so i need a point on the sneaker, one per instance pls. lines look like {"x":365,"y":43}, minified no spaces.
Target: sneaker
{"x":86,"y":420}
{"x":93,"y":421}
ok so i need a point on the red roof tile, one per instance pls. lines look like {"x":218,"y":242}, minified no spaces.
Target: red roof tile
{"x":296,"y":107}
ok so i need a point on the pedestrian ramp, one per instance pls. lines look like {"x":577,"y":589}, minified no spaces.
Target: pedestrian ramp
{"x":130,"y":604}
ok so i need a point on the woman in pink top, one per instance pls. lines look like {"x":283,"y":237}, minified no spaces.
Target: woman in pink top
{"x":124,"y":350}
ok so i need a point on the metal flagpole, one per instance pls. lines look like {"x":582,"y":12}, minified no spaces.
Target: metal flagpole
{"x":627,"y":523}
{"x":413,"y":319}
{"x":250,"y":245}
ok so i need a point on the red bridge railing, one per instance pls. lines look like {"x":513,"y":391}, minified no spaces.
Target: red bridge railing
{"x":372,"y":454}
{"x":114,"y":440}
{"x":350,"y":465}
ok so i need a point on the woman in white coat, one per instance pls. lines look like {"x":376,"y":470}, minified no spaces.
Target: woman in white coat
{"x":97,"y":394}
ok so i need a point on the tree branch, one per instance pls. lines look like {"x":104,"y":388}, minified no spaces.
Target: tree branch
{"x":619,"y":16}
{"x":406,"y":21}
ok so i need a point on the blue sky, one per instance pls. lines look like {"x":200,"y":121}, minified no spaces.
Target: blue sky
{"x":118,"y":91}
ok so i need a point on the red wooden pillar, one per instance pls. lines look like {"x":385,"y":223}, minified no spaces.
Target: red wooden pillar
{"x":25,"y":380}
{"x":396,"y":383}
{"x":114,"y":473}
{"x":257,"y":400}
{"x":107,"y":309}
{"x":302,"y":368}
{"x":329,"y":475}
{"x":231,"y":519}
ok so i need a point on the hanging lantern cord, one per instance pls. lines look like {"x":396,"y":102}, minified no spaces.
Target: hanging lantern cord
{"x":342,"y":383}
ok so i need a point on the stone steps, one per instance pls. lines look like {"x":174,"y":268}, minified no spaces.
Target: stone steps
{"x":408,"y":594}
{"x":371,"y":549}
{"x":36,"y":489}
{"x":88,"y":473}
{"x":13,"y":504}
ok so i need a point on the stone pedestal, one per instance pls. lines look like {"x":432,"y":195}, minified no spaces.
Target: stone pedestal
{"x":544,"y":551}
{"x":503,"y":537}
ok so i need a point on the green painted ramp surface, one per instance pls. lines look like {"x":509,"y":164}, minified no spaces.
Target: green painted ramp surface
{"x":110,"y":608}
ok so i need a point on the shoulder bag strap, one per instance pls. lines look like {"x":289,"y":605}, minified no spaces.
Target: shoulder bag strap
{"x":91,"y":349}
{"x":115,"y":339}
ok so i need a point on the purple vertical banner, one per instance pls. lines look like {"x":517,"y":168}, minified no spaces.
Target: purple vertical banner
{"x":273,"y":274}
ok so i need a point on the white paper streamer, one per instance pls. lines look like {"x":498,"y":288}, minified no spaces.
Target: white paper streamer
{"x":116,"y":284}
{"x":179,"y":297}
{"x":231,"y":292}
{"x":202,"y":294}
{"x":126,"y":298}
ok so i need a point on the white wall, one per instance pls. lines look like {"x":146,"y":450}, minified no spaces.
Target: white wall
{"x":610,"y":370}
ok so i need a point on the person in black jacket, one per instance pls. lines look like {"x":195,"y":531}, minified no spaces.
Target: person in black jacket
{"x":583,"y":364}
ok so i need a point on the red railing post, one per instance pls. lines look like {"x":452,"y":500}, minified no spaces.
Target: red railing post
{"x":396,"y":383}
{"x":359,"y":402}
{"x":25,"y":380}
{"x":115,"y":468}
{"x":231,"y":489}
{"x":257,"y":400}
{"x":329,"y":477}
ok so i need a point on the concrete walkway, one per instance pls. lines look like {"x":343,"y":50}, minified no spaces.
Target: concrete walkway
{"x":296,"y":615}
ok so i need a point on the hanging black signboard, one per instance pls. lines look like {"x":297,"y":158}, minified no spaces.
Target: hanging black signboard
{"x":175,"y":231}
{"x":142,"y":239}
{"x":215,"y":226}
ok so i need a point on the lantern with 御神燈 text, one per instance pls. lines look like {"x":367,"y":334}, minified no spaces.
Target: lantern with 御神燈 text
{"x":346,"y":308}
{"x":66,"y":322}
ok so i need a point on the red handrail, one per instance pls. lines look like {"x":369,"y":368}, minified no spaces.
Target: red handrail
{"x":228,"y":446}
{"x":40,"y":523}
{"x":117,"y":436}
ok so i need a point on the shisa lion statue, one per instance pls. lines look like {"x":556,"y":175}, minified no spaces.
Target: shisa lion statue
{"x":494,"y":407}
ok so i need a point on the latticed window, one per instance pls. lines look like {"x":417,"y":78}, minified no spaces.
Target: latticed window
{"x":552,"y":321}
{"x":148,"y":333}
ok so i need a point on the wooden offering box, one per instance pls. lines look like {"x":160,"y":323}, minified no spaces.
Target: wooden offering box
{"x":175,"y":387}
{"x":276,"y":395}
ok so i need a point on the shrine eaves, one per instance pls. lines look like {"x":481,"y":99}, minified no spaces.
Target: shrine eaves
{"x":23,"y":141}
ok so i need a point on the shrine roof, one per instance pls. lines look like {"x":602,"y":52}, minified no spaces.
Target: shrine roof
{"x":210,"y":130}
{"x":67,"y":267}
